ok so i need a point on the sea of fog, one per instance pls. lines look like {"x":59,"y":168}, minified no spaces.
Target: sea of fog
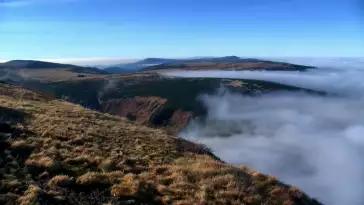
{"x":313,"y":142}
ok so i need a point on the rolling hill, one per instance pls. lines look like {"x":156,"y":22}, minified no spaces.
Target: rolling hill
{"x":136,"y":66}
{"x":29,"y":70}
{"x":40,"y":65}
{"x":207,"y":63}
{"x":55,"y":152}
{"x":211,"y":63}
{"x":243,"y":64}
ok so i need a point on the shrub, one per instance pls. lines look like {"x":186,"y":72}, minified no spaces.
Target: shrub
{"x":93,"y":179}
{"x":34,"y":166}
{"x":61,"y":181}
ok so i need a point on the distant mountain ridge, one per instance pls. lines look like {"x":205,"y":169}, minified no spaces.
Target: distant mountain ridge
{"x":33,"y":64}
{"x":150,"y":64}
{"x":136,"y":66}
{"x":153,"y":64}
{"x":228,"y":63}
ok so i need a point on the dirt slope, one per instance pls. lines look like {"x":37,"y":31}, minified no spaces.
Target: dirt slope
{"x":151,"y":111}
{"x":55,"y":152}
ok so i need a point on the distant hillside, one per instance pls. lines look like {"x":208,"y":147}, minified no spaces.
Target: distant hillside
{"x":136,"y":66}
{"x":155,"y":62}
{"x":31,"y":64}
{"x":153,"y":100}
{"x":221,"y":63}
{"x":245,"y":64}
{"x":89,"y":70}
{"x":119,"y":70}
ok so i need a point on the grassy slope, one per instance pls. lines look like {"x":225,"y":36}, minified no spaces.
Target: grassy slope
{"x":60,"y":153}
{"x":56,"y":75}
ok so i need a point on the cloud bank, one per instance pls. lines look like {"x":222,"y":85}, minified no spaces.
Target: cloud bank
{"x":327,"y":62}
{"x":313,"y":142}
{"x":341,"y":81}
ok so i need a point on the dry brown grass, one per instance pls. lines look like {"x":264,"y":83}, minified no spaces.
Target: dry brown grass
{"x":54,"y":75}
{"x":61,"y":181}
{"x":75,"y":150}
{"x":64,"y":74}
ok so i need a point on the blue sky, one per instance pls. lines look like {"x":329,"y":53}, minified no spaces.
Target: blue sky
{"x":129,"y":29}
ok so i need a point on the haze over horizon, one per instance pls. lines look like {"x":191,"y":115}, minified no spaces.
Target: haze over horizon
{"x":95,"y":29}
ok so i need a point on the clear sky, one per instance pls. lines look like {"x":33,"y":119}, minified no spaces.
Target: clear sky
{"x":50,"y":29}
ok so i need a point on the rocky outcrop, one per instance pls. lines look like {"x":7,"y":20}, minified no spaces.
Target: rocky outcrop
{"x":151,"y":111}
{"x":138,"y":109}
{"x":178,"y":121}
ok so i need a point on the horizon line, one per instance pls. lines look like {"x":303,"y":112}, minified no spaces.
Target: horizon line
{"x":119,"y":60}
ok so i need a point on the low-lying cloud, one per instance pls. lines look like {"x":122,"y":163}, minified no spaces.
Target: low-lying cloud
{"x":110,"y":85}
{"x":313,"y":142}
{"x":8,"y":75}
{"x":324,"y":62}
{"x":340,"y":81}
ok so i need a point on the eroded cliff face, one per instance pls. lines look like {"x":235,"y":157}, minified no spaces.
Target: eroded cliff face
{"x":150,"y":111}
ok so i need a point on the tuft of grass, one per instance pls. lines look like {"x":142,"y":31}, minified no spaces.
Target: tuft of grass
{"x":43,"y":163}
{"x":127,"y":187}
{"x":134,"y":187}
{"x":31,"y":196}
{"x":61,"y":181}
{"x":19,"y":144}
{"x":93,"y":179}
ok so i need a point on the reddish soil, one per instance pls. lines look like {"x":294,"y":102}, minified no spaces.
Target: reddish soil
{"x":151,"y":111}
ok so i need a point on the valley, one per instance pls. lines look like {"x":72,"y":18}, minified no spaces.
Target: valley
{"x":116,"y":133}
{"x":152,"y":99}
